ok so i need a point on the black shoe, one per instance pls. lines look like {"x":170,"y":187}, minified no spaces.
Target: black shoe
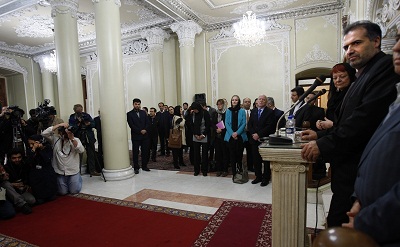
{"x":136,"y":171}
{"x":154,"y":160}
{"x":182,"y":164}
{"x":219,"y":174}
{"x":205,"y":174}
{"x":177,"y":167}
{"x":224,"y":174}
{"x":161,"y":155}
{"x":26,"y":209}
{"x":256,"y":181}
{"x":167,"y":155}
{"x":264,"y":183}
{"x":196,"y":173}
{"x":251,"y":169}
{"x":146,"y":169}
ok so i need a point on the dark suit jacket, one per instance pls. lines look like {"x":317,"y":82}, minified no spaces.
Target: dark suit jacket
{"x":137,"y":124}
{"x":315,"y":113}
{"x":364,"y":106}
{"x":263,"y":126}
{"x":278,"y":113}
{"x":163,"y":123}
{"x":378,"y":184}
{"x":302,"y":115}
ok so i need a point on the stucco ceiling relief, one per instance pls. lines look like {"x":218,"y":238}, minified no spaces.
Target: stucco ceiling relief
{"x":316,"y":54}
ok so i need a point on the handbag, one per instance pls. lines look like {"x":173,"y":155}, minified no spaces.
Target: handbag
{"x":242,"y":175}
{"x":175,"y":137}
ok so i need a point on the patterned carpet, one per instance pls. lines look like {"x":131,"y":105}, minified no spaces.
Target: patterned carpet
{"x":238,"y":224}
{"x":8,"y":241}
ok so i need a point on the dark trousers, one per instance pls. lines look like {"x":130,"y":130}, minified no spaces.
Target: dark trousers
{"x":236,"y":148}
{"x":144,"y":148}
{"x":221,"y":155}
{"x":249,"y":152}
{"x":340,"y":205}
{"x":191,"y":154}
{"x":7,"y":210}
{"x":258,"y":163}
{"x":177,"y":156}
{"x":161,"y":136}
{"x":153,"y":147}
{"x":91,"y":158}
{"x":200,"y":159}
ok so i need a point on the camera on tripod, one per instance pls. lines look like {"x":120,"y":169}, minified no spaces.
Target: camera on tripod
{"x":44,"y":111}
{"x":15,"y":113}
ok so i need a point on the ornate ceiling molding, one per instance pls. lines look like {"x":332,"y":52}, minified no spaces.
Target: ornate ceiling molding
{"x":117,"y":2}
{"x":12,"y":64}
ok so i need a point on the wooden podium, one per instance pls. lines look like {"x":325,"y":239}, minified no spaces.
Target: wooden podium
{"x":289,"y":194}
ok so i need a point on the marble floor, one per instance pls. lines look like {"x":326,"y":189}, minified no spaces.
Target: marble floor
{"x":182,"y":190}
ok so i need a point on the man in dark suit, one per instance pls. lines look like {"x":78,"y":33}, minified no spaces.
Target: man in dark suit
{"x":295,"y":94}
{"x":248,"y":145}
{"x":315,"y":113}
{"x":377,"y":187}
{"x":261,"y":124}
{"x":163,"y":127}
{"x":139,"y":124}
{"x":153,"y":133}
{"x":278,"y":113}
{"x":363,"y":108}
{"x":97,"y":126}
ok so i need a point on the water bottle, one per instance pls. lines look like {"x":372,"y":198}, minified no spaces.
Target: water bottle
{"x":290,"y":127}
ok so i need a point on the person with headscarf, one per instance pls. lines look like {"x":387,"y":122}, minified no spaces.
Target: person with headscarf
{"x":221,"y":147}
{"x":200,"y":126}
{"x":235,"y":136}
{"x":343,"y":75}
{"x":178,"y":122}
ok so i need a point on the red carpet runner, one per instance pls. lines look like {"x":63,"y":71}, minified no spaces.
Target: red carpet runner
{"x":238,"y":224}
{"x":99,"y":221}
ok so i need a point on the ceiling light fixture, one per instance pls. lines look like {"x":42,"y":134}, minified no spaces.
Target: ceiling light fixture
{"x":250,"y":31}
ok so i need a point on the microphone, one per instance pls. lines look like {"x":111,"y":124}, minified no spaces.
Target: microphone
{"x":322,"y":92}
{"x":318,"y":81}
{"x":277,"y":139}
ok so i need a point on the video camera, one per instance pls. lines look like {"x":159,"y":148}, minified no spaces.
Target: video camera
{"x":70,"y":128}
{"x":43,"y":112}
{"x":15,"y":114}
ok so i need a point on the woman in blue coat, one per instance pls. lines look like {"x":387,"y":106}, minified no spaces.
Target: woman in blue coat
{"x":235,"y":123}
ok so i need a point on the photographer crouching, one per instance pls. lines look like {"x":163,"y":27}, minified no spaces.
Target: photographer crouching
{"x":83,"y":125}
{"x":66,"y":151}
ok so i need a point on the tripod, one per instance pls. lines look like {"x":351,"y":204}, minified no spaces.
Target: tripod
{"x":90,"y":150}
{"x":18,"y":135}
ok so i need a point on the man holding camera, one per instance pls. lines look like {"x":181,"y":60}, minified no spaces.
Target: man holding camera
{"x":82,"y":125}
{"x":66,"y":158}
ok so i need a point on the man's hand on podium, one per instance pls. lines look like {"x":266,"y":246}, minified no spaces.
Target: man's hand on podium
{"x":310,"y":151}
{"x":309,"y":135}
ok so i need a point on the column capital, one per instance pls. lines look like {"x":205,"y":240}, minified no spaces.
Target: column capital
{"x":64,"y":7}
{"x":155,"y":38}
{"x":186,"y":31}
{"x":47,"y":62}
{"x":117,"y":2}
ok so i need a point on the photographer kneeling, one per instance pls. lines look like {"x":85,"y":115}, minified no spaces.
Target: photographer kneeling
{"x":66,"y":150}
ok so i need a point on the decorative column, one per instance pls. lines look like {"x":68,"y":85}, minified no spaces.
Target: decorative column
{"x":45,"y":62}
{"x":289,"y":194}
{"x":113,"y":116}
{"x":67,"y":51}
{"x":155,"y":40}
{"x":187,"y":31}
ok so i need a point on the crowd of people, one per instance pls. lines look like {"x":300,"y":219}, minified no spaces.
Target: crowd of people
{"x":42,"y":157}
{"x":357,"y":135}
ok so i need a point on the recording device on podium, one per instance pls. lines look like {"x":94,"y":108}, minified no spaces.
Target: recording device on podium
{"x":277,"y":139}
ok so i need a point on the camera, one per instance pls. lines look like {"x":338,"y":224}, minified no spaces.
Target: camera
{"x":15,"y":114}
{"x":44,"y":111}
